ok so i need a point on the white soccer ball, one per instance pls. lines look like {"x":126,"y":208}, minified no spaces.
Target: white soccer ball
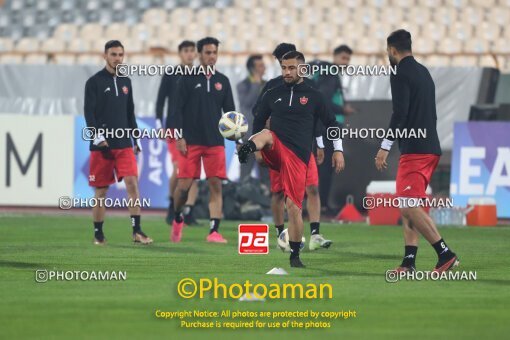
{"x":233,"y":125}
{"x":283,"y":241}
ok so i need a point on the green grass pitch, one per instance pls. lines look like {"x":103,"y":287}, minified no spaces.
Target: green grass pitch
{"x":355,"y":266}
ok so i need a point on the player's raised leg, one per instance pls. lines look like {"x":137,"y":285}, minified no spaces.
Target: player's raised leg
{"x":257,"y":142}
{"x":134,"y":210}
{"x":98,"y":213}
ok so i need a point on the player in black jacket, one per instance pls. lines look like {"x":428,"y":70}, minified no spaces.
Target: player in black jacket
{"x":168,"y":89}
{"x":414,"y":107}
{"x":313,"y":201}
{"x":199,"y":104}
{"x":109,"y":105}
{"x":295,"y":108}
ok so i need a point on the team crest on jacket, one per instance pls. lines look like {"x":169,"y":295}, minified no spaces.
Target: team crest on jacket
{"x":303,"y":100}
{"x":218,"y":86}
{"x":125,"y":89}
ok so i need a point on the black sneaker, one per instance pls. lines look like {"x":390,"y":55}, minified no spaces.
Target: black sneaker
{"x":243,"y":153}
{"x":447,"y":264}
{"x":296,"y":263}
{"x":189,"y":219}
{"x":170,"y":214}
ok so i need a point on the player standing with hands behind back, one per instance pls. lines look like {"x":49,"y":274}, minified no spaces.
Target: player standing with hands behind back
{"x":109,"y":105}
{"x":414,"y":107}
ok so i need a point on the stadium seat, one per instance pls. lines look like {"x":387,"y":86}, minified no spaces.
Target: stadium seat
{"x":484,"y":3}
{"x":449,"y":45}
{"x":313,"y":17}
{"x":140,"y":59}
{"x":79,"y":45}
{"x":445,"y":15}
{"x":52,"y":45}
{"x":364,"y":15}
{"x":368,"y":45}
{"x":27,"y":45}
{"x":166,"y":31}
{"x":141,"y":31}
{"x":337,"y":16}
{"x":207,"y":16}
{"x":501,"y":45}
{"x":464,"y":61}
{"x":134,"y":45}
{"x":476,"y":46}
{"x":38,"y":58}
{"x":181,"y":16}
{"x":437,"y":60}
{"x":117,"y":31}
{"x":499,"y":15}
{"x":488,"y":31}
{"x":390,"y":15}
{"x":90,"y":59}
{"x":235,"y":46}
{"x":378,"y":4}
{"x":155,"y":16}
{"x":486,"y":61}
{"x":65,"y":32}
{"x":233,"y":15}
{"x":64,"y":59}
{"x":433,"y":31}
{"x":11,"y":58}
{"x":423,"y":46}
{"x":403,"y":3}
{"x":471,"y":15}
{"x":91,"y":31}
{"x":461,"y":31}
{"x":6,"y":45}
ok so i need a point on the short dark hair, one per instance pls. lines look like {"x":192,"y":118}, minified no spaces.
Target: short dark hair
{"x":400,"y":39}
{"x":342,"y":49}
{"x":250,"y":63}
{"x":112,"y":43}
{"x":283,"y":48}
{"x":206,"y":41}
{"x":186,"y":43}
{"x":294,"y":55}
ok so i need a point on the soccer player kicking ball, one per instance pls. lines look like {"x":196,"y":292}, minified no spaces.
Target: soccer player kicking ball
{"x":294,"y":108}
{"x":199,"y":103}
{"x":109,"y":105}
{"x":414,"y":107}
{"x":313,"y":202}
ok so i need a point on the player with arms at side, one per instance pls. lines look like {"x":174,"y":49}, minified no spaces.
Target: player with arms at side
{"x":167,"y":89}
{"x":199,"y":103}
{"x":294,"y":108}
{"x":109,"y":105}
{"x":312,"y":181}
{"x":414,"y":107}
